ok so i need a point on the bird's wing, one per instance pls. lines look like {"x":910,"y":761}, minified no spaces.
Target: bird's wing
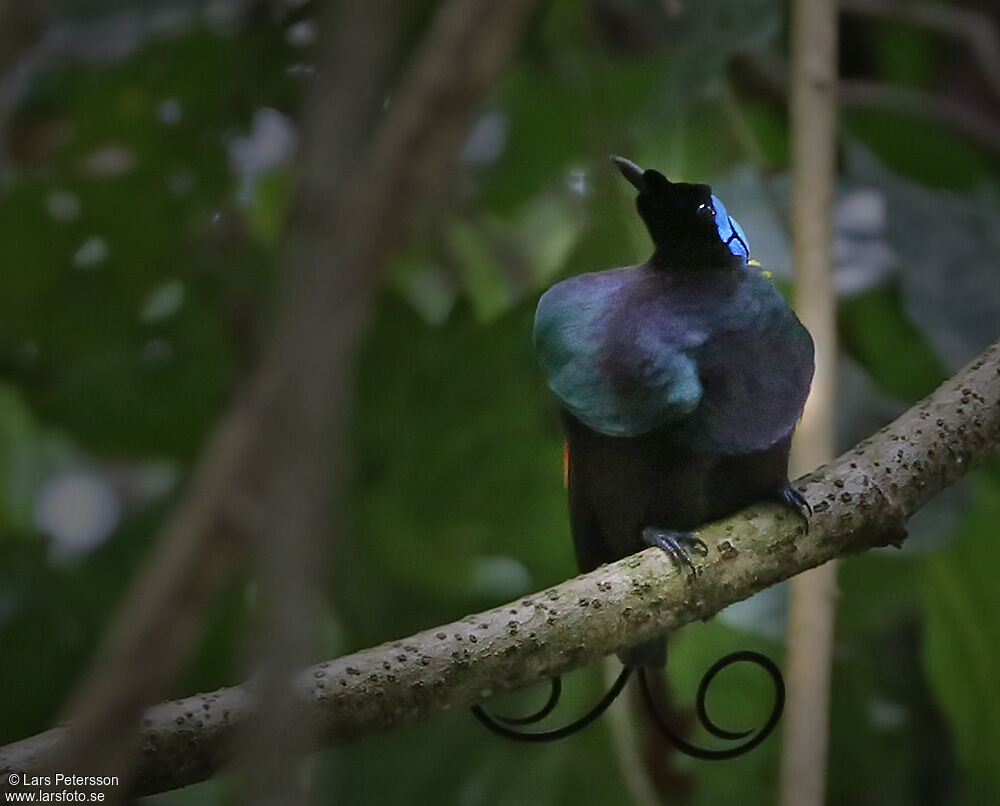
{"x":728,"y":365}
{"x":755,"y":374}
{"x":617,"y":378}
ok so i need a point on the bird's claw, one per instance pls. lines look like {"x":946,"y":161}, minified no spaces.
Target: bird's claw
{"x":678,"y":546}
{"x":795,"y":501}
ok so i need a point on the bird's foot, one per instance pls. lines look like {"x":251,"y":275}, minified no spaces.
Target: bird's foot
{"x":790,"y":497}
{"x":678,"y":546}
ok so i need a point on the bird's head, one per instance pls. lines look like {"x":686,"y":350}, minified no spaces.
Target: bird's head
{"x":687,"y":223}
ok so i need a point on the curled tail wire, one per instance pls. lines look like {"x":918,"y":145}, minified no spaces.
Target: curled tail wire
{"x":502,"y":725}
{"x":550,"y":704}
{"x":708,"y":754}
{"x":505,"y":726}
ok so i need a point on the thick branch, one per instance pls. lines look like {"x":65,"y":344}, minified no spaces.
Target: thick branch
{"x":861,"y":501}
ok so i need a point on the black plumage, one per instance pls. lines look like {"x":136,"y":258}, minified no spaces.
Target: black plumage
{"x":681,"y":380}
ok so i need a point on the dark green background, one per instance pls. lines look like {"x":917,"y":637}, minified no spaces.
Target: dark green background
{"x":455,"y":500}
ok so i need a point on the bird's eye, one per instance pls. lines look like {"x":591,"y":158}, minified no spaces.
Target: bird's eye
{"x":706,"y":210}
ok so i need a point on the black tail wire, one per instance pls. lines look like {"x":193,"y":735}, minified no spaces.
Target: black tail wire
{"x":509,"y":727}
{"x":501,"y":725}
{"x":709,"y":754}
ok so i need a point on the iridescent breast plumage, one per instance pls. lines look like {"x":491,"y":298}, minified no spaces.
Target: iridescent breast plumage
{"x":715,"y":353}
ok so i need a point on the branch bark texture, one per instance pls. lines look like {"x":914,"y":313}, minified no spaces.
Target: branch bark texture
{"x":861,"y":501}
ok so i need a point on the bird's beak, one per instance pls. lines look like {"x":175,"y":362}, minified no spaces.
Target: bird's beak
{"x":631,"y":171}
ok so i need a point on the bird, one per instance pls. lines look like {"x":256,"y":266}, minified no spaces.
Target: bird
{"x":680,"y":381}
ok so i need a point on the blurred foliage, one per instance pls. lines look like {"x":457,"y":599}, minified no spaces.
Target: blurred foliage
{"x":962,"y":649}
{"x":77,"y":320}
{"x":141,"y":208}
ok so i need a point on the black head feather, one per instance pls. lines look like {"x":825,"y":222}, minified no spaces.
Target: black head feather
{"x":680,"y":218}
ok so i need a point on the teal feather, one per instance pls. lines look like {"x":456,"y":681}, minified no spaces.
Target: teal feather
{"x":570,"y":338}
{"x":717,"y":354}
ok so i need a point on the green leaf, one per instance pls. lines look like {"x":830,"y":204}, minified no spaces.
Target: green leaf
{"x":28,"y":453}
{"x":946,"y":244}
{"x":269,"y":204}
{"x":875,"y":331}
{"x":962,"y":649}
{"x":483,"y":277}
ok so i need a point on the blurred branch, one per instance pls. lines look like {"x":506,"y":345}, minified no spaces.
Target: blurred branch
{"x":861,"y":500}
{"x":982,"y":128}
{"x":272,"y":459}
{"x":303,"y":385}
{"x":770,"y":73}
{"x":20,"y":26}
{"x":325,"y":314}
{"x":976,"y":28}
{"x":625,"y":740}
{"x":812,"y":605}
{"x":742,"y":130}
{"x":20,"y":23}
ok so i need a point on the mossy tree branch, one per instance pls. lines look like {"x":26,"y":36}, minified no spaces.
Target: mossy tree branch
{"x":861,"y":500}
